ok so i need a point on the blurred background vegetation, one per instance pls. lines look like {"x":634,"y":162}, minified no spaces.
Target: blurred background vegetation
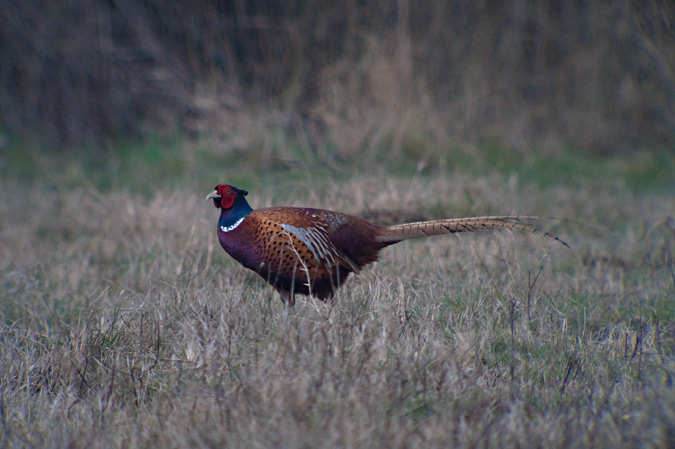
{"x":340,"y":78}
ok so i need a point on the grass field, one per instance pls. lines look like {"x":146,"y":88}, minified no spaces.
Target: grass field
{"x":123,"y":323}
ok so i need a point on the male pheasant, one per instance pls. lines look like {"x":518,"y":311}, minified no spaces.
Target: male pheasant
{"x":312,"y":251}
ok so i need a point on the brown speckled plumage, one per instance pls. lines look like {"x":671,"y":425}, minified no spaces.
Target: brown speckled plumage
{"x":313,"y":251}
{"x":294,"y":247}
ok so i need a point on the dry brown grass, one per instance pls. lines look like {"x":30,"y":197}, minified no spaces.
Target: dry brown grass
{"x":125,"y":325}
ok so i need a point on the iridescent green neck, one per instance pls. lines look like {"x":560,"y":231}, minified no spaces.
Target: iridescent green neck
{"x":232,"y":217}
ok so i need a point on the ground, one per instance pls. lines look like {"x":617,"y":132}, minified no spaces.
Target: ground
{"x":125,"y":325}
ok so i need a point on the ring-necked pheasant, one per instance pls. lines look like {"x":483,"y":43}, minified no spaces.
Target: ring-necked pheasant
{"x":303,"y":250}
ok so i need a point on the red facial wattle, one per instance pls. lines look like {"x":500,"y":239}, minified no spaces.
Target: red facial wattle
{"x":227,"y":194}
{"x":226,"y":202}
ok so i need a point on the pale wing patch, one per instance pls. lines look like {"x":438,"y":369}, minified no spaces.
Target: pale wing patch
{"x":315,"y":240}
{"x":232,"y":226}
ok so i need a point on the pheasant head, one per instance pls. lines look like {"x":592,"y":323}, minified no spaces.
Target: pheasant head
{"x":225,"y":196}
{"x":232,"y":203}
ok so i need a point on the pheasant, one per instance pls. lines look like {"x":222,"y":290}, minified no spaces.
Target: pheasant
{"x":313,"y":251}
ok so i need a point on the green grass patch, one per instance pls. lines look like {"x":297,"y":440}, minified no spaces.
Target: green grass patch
{"x":648,"y":171}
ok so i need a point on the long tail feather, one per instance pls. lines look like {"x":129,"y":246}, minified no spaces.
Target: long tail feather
{"x":397,"y":233}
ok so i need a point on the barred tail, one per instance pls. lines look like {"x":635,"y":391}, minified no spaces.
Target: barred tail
{"x":397,"y":233}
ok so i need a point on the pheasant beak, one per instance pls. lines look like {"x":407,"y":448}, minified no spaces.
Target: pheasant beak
{"x":213,"y":195}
